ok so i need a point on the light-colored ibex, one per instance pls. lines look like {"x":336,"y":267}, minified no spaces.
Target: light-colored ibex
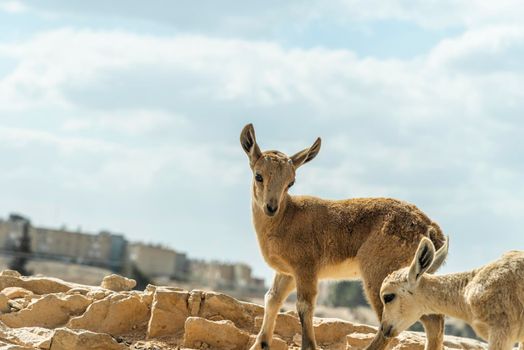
{"x":305,"y":239}
{"x":490,"y":299}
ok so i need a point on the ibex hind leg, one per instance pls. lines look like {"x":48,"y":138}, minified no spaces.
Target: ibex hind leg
{"x":306,"y":298}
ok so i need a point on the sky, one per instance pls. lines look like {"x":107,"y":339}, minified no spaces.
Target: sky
{"x":126,"y":115}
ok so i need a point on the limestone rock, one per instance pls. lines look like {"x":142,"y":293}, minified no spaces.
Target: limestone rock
{"x":98,"y":294}
{"x":160,"y":318}
{"x":116,"y":314}
{"x":168,"y":313}
{"x":331,"y":330}
{"x":9,"y":346}
{"x":286,"y":325}
{"x":229,"y":309}
{"x":276,"y":344}
{"x":37,"y":285}
{"x":52,"y":310}
{"x":12,"y":273}
{"x":195,"y":300}
{"x":33,"y":337}
{"x":118,"y":283}
{"x":359,"y":340}
{"x":78,"y":290}
{"x":412,"y":341}
{"x":16,"y":292}
{"x":67,"y":339}
{"x":4,"y":303}
{"x":216,"y":334}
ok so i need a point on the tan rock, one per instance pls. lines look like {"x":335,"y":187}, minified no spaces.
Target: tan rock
{"x":412,"y":341}
{"x":37,"y":285}
{"x":4,"y":303}
{"x":67,"y":339}
{"x":217,"y":334}
{"x":196,"y":298}
{"x":174,"y":318}
{"x":98,"y":294}
{"x":16,"y":292}
{"x":9,"y":346}
{"x":79,"y":290}
{"x":116,"y":314}
{"x":50,"y":311}
{"x":465,"y":343}
{"x":118,"y":283}
{"x":359,"y":340}
{"x":276,"y":344}
{"x":33,"y":337}
{"x":168,"y":313}
{"x":12,"y":273}
{"x":228,"y":308}
{"x":332,"y":330}
{"x":148,"y":293}
{"x":286,"y":325}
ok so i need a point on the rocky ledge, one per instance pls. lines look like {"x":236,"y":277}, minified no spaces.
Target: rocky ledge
{"x":48,"y":313}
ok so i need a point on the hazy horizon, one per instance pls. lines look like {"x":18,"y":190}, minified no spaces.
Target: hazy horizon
{"x":126,"y":116}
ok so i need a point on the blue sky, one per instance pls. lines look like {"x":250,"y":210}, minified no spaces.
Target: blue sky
{"x":126,"y":115}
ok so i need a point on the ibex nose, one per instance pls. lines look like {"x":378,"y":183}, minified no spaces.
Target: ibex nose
{"x":271,"y":210}
{"x":387,"y":330}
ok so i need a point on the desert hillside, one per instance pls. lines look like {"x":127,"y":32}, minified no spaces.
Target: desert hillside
{"x":49,"y":313}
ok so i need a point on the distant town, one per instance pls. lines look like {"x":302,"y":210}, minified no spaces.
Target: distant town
{"x":19,"y":239}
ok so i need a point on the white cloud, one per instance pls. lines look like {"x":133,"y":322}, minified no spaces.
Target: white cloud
{"x":151,"y":114}
{"x":13,"y":7}
{"x":233,"y":19}
{"x":132,"y":122}
{"x":435,"y":14}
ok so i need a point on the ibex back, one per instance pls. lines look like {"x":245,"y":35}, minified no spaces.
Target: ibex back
{"x":305,"y":239}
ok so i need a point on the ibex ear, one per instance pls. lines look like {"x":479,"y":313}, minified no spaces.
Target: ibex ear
{"x":440,"y":257}
{"x":422,"y":261}
{"x":249,"y":144}
{"x":307,"y":154}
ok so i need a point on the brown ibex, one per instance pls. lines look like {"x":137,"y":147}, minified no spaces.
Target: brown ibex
{"x":305,"y":239}
{"x":490,"y":298}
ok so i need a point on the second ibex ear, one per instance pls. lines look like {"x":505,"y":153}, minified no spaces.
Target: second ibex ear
{"x":422,"y":261}
{"x":249,"y":144}
{"x":307,"y":154}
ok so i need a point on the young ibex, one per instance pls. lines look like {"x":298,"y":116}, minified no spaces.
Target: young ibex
{"x":490,"y":299}
{"x":305,"y":239}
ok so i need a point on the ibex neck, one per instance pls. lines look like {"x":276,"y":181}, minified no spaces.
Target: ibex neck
{"x":264,"y":223}
{"x":445,"y":294}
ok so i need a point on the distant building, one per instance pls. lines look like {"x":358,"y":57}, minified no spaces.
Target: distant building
{"x":224,"y":276}
{"x":104,"y":249}
{"x":243,"y":276}
{"x":113,"y":251}
{"x":158,"y":261}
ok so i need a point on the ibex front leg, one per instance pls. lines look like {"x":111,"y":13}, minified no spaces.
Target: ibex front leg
{"x":306,"y":297}
{"x":275,"y":296}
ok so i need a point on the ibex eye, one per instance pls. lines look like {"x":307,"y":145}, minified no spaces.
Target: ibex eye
{"x":258,"y":177}
{"x":388,"y":298}
{"x":291,"y":184}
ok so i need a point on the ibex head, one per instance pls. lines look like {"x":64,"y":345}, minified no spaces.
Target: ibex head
{"x":273,"y":171}
{"x":400,"y":291}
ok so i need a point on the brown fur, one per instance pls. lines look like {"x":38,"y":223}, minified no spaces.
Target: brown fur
{"x":490,"y":298}
{"x":307,"y":238}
